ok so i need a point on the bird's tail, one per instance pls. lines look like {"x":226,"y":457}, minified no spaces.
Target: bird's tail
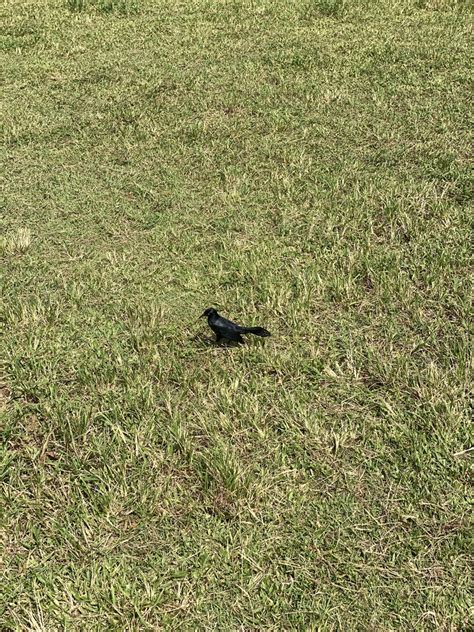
{"x":258,"y":331}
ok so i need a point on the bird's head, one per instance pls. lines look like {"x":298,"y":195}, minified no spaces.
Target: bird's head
{"x":210,"y":311}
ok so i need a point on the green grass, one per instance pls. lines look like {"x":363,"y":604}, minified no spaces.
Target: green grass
{"x":302,"y":166}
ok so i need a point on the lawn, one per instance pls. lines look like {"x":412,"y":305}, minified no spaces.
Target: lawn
{"x":300,"y":165}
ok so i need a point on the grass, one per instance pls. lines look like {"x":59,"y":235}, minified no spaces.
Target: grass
{"x":302,"y":166}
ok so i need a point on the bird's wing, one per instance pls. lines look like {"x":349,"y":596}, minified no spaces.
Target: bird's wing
{"x":229,"y":325}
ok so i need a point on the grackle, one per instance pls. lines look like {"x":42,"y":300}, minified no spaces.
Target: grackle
{"x":224,"y":328}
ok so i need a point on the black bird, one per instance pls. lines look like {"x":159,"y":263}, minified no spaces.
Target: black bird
{"x":224,"y":328}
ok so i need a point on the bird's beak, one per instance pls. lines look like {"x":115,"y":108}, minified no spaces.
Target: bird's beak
{"x":201,"y":316}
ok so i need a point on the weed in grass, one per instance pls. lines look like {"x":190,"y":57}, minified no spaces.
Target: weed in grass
{"x":16,"y":244}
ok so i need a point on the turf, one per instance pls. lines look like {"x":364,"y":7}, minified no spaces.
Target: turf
{"x":303,"y":166}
